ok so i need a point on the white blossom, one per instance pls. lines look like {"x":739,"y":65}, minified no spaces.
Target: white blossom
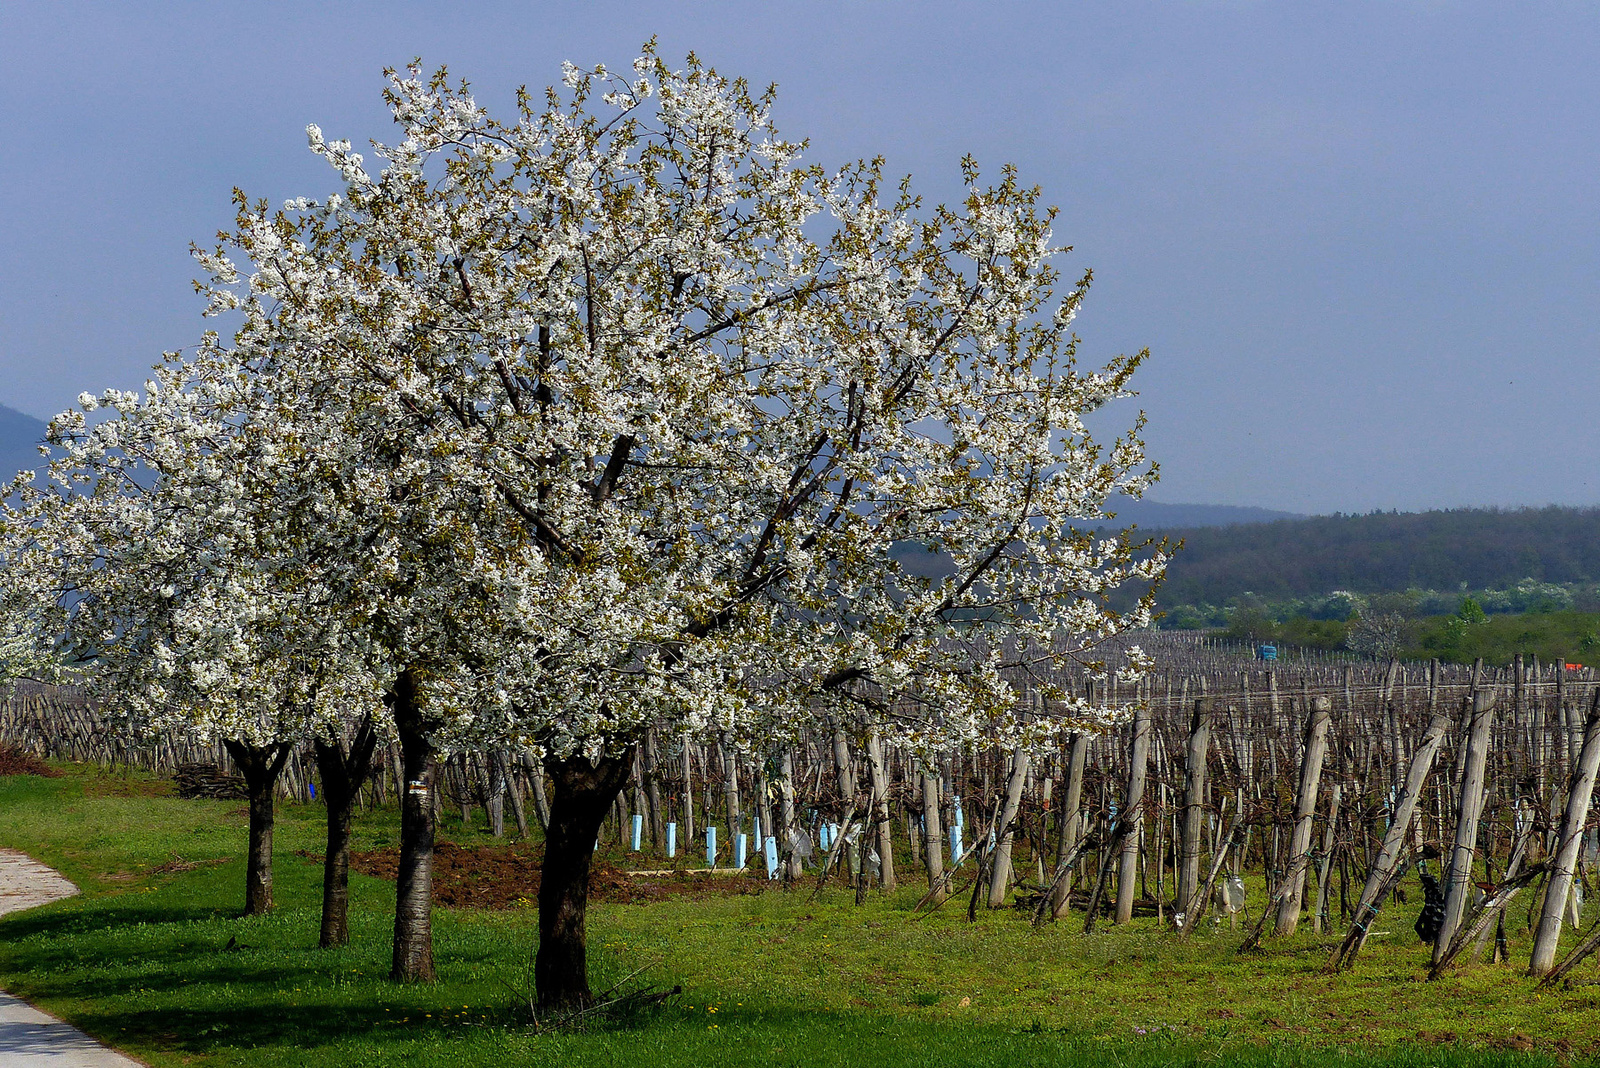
{"x":603,"y":418}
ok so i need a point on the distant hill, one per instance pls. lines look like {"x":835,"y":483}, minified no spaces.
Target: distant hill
{"x":20,"y":436}
{"x":1155,"y":515}
{"x":1384,"y":552}
{"x":1147,"y":515}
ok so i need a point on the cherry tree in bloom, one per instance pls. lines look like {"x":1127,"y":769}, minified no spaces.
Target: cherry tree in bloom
{"x":29,"y":640}
{"x":25,"y":651}
{"x":180,"y":592}
{"x":610,"y":415}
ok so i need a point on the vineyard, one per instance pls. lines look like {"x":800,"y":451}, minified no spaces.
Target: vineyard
{"x":1319,"y":779}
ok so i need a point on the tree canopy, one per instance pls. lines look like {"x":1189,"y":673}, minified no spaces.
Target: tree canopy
{"x":607,"y":416}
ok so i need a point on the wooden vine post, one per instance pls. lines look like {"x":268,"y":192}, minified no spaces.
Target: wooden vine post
{"x":1469,"y":807}
{"x":1388,"y":859}
{"x":1315,"y":749}
{"x":1194,"y":801}
{"x":1559,"y":886}
{"x":1000,"y":869}
{"x":933,"y":836}
{"x":1067,"y":824}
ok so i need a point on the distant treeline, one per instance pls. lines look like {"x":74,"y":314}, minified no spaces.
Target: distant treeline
{"x":1460,"y":637}
{"x":1384,"y":552}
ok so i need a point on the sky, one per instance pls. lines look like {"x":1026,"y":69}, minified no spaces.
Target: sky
{"x":1359,"y":239}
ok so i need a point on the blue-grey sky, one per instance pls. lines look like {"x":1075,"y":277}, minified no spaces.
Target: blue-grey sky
{"x":1360,"y":238}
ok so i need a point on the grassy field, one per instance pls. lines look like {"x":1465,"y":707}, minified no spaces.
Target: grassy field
{"x":140,"y":960}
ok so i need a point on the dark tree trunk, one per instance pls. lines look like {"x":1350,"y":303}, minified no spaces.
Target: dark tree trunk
{"x":583,"y":795}
{"x":413,"y":913}
{"x":260,"y":765}
{"x":343,"y":772}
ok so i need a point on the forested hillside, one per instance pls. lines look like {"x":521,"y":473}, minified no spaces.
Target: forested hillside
{"x":1160,"y":514}
{"x":1384,"y":552}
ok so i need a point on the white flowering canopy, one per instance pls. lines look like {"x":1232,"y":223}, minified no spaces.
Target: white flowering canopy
{"x":616,"y":414}
{"x":25,"y":649}
{"x":171,"y":578}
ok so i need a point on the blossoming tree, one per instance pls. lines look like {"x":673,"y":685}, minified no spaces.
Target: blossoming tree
{"x":611,"y":415}
{"x":172,"y":578}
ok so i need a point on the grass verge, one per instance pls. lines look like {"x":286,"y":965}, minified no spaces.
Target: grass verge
{"x":141,"y":960}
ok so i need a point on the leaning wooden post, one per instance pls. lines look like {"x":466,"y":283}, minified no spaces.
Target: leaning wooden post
{"x":933,"y":837}
{"x":1000,"y":870}
{"x":686,"y":806}
{"x":882,"y":826}
{"x":1133,"y":809}
{"x":1559,"y":887}
{"x":789,"y":831}
{"x":730,"y":788}
{"x":1319,"y":915}
{"x":1345,"y":953}
{"x":1068,"y":823}
{"x":843,"y":767}
{"x":1458,"y":888}
{"x":1305,"y":807}
{"x":1194,"y":800}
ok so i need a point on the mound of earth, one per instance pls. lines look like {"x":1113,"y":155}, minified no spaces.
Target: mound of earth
{"x":500,"y":877}
{"x":14,"y":761}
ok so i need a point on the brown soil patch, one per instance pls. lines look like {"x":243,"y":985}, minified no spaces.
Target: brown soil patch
{"x":114,"y":784}
{"x":500,"y":877}
{"x":14,"y":761}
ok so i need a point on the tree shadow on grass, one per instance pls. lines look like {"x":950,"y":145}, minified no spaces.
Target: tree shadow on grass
{"x":766,"y":1037}
{"x":54,"y":921}
{"x":203,"y":1030}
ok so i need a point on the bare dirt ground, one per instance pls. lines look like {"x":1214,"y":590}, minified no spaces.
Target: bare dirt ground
{"x":501,"y":877}
{"x":14,"y":761}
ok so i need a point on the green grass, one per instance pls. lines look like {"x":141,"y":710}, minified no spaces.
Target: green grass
{"x":1551,"y":636}
{"x":774,"y":979}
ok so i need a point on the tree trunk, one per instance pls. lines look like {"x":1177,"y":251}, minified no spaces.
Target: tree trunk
{"x":763,"y":811}
{"x":463,"y":774}
{"x":688,"y":790}
{"x":413,"y":914}
{"x":343,"y":772}
{"x":584,"y":791}
{"x":260,"y":765}
{"x":652,"y":782}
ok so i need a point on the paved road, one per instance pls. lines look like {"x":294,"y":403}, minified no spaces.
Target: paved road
{"x":28,"y":1037}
